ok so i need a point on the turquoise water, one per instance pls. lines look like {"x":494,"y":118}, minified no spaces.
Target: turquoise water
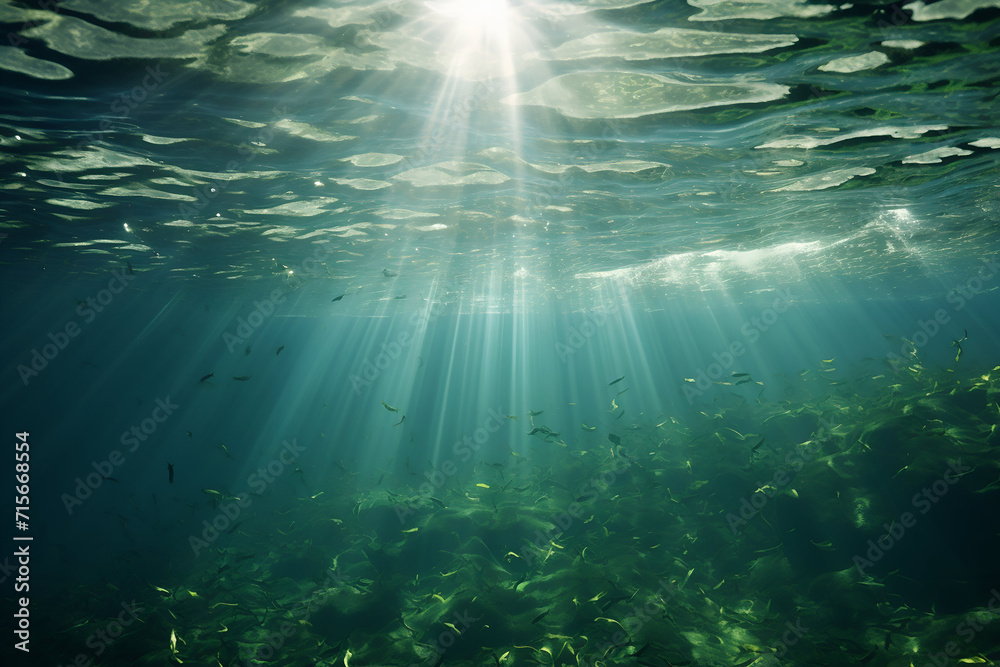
{"x":599,"y":333}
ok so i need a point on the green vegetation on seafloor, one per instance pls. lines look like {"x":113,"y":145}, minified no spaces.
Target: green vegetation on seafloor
{"x":837,"y":522}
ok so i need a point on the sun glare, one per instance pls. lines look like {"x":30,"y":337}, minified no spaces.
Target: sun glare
{"x":479,"y":45}
{"x":475,"y":18}
{"x":477,"y":37}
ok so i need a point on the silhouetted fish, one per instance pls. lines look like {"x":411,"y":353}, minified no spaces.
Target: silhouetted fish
{"x":958,"y":343}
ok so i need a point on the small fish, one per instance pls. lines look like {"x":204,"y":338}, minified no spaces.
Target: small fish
{"x":958,"y":343}
{"x":512,"y":417}
{"x":170,"y":472}
{"x":246,"y":353}
{"x":740,"y":375}
{"x":161,"y":591}
{"x":389,"y":407}
{"x":242,"y":378}
{"x":210,"y":375}
{"x":614,"y":439}
{"x":388,"y":274}
{"x":337,"y":298}
{"x":614,"y":405}
{"x":826,"y":545}
{"x":400,"y":421}
{"x":128,"y":268}
{"x":400,"y":296}
{"x":540,"y":617}
{"x":279,"y":350}
{"x":616,"y":381}
{"x":588,"y":428}
{"x":535,"y":414}
{"x":189,"y":434}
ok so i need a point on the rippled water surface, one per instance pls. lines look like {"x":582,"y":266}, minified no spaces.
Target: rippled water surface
{"x":496,"y":154}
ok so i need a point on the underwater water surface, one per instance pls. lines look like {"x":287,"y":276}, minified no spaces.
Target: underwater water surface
{"x":501,"y":333}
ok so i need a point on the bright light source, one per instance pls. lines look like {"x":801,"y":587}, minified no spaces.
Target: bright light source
{"x":476,"y":39}
{"x":478,"y":17}
{"x":485,"y":15}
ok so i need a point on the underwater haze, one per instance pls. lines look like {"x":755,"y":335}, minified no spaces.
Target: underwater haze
{"x":501,"y":333}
